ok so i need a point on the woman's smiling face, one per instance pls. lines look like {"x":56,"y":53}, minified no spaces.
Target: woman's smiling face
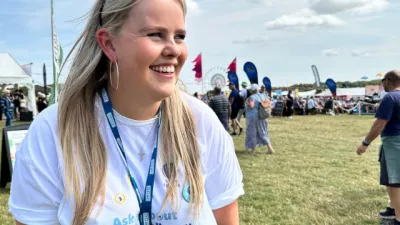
{"x":150,"y":47}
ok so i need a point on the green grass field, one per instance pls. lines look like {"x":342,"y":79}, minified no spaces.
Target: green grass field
{"x":314,"y":177}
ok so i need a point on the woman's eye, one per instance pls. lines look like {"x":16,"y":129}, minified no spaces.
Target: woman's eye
{"x":180,"y":36}
{"x":155,"y":35}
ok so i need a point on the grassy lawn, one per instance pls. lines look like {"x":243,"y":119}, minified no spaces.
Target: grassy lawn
{"x":315,"y":176}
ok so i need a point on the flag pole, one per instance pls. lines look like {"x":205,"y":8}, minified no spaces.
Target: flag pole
{"x":202,"y":86}
{"x":202,"y":77}
{"x":45,"y":79}
{"x":52,"y":49}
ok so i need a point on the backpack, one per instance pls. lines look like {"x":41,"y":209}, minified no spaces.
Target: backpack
{"x":241,"y":101}
{"x":264,"y":109}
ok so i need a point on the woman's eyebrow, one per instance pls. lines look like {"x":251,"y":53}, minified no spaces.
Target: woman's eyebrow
{"x":159,"y":28}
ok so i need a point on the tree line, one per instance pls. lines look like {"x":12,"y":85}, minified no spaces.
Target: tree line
{"x":339,"y":84}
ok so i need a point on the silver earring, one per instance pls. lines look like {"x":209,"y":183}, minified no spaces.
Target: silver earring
{"x":116,"y":65}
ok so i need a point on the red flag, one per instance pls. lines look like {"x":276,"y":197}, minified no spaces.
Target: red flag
{"x":232,"y":66}
{"x":198,"y":68}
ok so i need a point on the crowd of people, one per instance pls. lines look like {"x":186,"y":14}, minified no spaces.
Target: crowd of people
{"x":247,"y":101}
{"x":312,"y":106}
{"x":13,"y":104}
{"x":233,"y":106}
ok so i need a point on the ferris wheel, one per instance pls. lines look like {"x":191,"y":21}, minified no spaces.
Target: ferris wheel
{"x":214,"y":77}
{"x":181,"y":85}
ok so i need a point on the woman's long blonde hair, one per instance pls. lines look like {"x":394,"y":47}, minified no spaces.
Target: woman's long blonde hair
{"x":83,"y":150}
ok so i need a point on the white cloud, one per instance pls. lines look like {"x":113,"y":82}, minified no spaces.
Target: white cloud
{"x":358,"y":53}
{"x":250,"y":40}
{"x":322,"y":13}
{"x":265,"y":2}
{"x":330,"y":52}
{"x":374,"y":6}
{"x":193,"y":8}
{"x":357,"y":6}
{"x":303,"y":21}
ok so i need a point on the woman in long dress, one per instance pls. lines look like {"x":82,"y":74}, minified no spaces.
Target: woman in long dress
{"x":256,"y":129}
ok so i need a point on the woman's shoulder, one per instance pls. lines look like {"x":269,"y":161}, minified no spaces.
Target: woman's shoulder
{"x":40,"y":145}
{"x":206,"y":120}
{"x":47,"y":118}
{"x":256,"y":97}
{"x":44,"y":127}
{"x":198,"y":107}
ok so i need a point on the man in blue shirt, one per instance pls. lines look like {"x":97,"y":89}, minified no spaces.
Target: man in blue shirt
{"x":7,"y":105}
{"x":387,"y":124}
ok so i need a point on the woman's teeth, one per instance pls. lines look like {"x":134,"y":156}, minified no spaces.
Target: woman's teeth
{"x":163,"y":69}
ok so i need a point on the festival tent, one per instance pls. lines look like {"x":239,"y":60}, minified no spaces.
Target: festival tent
{"x":306,"y":94}
{"x":12,"y":73}
{"x":344,"y":92}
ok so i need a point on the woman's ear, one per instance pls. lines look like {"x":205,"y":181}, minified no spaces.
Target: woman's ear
{"x":104,"y":40}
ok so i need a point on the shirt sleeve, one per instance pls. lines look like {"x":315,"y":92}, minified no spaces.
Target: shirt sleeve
{"x":36,"y":187}
{"x":385,"y":109}
{"x":224,"y":181}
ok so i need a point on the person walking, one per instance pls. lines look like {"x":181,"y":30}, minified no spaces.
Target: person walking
{"x":234,"y":100}
{"x":243,"y":95}
{"x":289,"y":105}
{"x":220,"y":105}
{"x":8,"y":107}
{"x":256,"y":128}
{"x":387,"y":125}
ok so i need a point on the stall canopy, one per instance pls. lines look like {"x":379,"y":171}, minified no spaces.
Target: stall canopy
{"x":303,"y":94}
{"x":345,"y":92}
{"x":12,"y":73}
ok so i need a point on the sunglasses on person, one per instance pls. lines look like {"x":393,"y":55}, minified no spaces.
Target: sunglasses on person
{"x":383,"y":80}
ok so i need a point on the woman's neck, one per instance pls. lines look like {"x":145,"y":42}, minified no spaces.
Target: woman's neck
{"x":136,"y":106}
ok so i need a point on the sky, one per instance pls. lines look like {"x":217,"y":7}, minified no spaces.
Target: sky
{"x":345,"y":39}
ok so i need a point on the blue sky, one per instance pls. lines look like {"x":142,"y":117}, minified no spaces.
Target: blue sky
{"x":345,"y":39}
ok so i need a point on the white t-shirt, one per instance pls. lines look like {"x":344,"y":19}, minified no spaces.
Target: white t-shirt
{"x":311,"y":103}
{"x":243,"y":93}
{"x":273,"y":103}
{"x":37,"y":188}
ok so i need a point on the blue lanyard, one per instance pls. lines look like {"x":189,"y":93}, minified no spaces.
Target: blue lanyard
{"x":144,"y":205}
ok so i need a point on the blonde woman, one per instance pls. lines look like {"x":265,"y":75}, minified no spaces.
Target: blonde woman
{"x":124,"y":146}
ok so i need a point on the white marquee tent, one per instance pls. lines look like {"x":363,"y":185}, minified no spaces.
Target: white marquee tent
{"x":12,"y":73}
{"x":304,"y":94}
{"x":349,"y":92}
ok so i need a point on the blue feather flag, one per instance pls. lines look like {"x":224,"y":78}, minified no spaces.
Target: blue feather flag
{"x":233,"y":78}
{"x":251,"y":71}
{"x":332,"y":86}
{"x":268,"y":85}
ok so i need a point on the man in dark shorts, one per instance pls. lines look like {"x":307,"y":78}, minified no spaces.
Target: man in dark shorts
{"x":234,"y":102}
{"x":387,"y":124}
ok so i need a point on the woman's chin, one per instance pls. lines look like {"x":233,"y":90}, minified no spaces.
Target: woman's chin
{"x":163,"y":93}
